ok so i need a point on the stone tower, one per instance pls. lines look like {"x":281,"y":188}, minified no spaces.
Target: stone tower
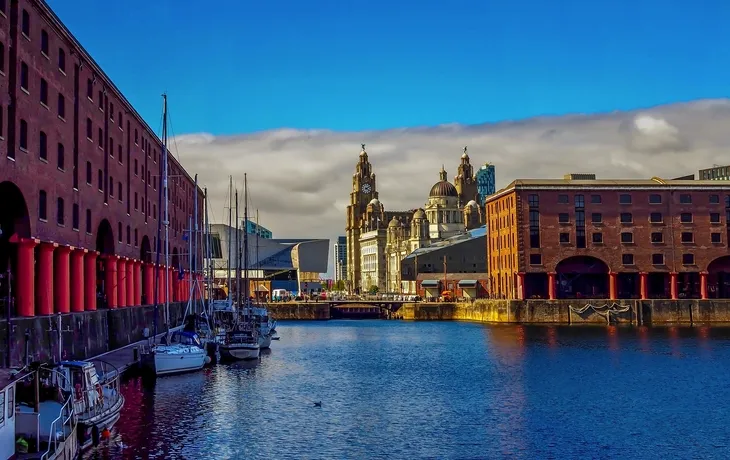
{"x":465,"y":181}
{"x":363,"y":191}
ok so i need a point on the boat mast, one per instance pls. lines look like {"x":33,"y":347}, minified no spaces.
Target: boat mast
{"x":230,"y":240}
{"x":194,"y":254}
{"x":258,"y":231}
{"x":208,"y":270}
{"x":245,"y":240}
{"x":156,"y":294}
{"x":166,"y":219}
{"x":238,"y":255}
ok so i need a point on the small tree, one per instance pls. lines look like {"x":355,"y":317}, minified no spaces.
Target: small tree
{"x":373,"y":290}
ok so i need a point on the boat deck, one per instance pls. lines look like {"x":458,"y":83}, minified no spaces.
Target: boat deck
{"x":123,"y":358}
{"x":49,"y":411}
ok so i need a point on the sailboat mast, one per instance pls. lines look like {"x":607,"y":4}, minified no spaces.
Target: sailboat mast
{"x":194,"y":254}
{"x":230,"y":240}
{"x":238,"y":254}
{"x":258,"y":231}
{"x":245,"y":239}
{"x":156,"y":293}
{"x":208,"y":269}
{"x":166,"y":218}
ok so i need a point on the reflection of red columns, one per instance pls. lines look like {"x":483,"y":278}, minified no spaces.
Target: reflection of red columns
{"x":90,"y":281}
{"x":61,"y":279}
{"x":643,"y":285}
{"x":130,"y":283}
{"x":703,"y":285}
{"x":521,"y":286}
{"x":77,"y":280}
{"x":613,"y":285}
{"x":25,"y":280}
{"x":551,"y":286}
{"x":137,"y":282}
{"x":110,"y":280}
{"x":149,"y":284}
{"x":122,"y":282}
{"x":673,"y":289}
{"x":44,"y":286}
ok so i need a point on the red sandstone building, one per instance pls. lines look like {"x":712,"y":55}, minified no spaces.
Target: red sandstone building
{"x":616,"y":239}
{"x":79,"y":177}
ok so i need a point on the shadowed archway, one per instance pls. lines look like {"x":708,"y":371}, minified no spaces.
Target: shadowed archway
{"x":175,"y":259}
{"x":145,"y":250}
{"x":14,"y":225}
{"x":582,"y":277}
{"x":105,"y":238}
{"x":718,"y":278}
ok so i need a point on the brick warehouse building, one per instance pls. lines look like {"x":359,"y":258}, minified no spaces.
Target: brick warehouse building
{"x":80,"y":177}
{"x":581,"y":237}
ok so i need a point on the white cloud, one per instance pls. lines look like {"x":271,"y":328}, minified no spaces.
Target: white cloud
{"x":300,"y":180}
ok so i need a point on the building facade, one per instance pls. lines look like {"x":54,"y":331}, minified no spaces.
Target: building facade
{"x":609,"y":239}
{"x":252,"y":228}
{"x":486,"y":182}
{"x":79,"y":183}
{"x":340,"y":258}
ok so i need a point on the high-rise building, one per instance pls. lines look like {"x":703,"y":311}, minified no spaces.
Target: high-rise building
{"x":486,"y":179}
{"x":252,"y":228}
{"x":340,"y":254}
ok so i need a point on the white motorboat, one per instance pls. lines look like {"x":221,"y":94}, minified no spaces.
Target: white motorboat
{"x":38,"y":417}
{"x":259,"y":317}
{"x":183,"y":353}
{"x":241,"y":342}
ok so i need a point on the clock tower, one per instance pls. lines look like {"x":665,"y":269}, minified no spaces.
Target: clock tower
{"x":363,"y":191}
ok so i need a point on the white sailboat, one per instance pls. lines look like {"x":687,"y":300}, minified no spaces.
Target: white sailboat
{"x":183,"y":351}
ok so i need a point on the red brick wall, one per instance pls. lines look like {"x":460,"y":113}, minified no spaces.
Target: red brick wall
{"x":31,"y":174}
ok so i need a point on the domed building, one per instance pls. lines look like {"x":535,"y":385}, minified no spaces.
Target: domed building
{"x":442,"y":209}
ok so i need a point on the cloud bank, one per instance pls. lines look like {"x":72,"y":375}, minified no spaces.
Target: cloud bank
{"x":300,"y":180}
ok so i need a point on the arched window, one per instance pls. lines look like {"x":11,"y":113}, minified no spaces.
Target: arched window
{"x":59,"y":212}
{"x":43,"y":146}
{"x":42,"y":205}
{"x":61,"y":156}
{"x":75,"y":216}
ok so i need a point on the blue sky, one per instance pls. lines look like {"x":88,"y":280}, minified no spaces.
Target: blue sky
{"x":244,"y":66}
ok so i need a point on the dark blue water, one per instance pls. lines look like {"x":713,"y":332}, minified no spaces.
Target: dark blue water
{"x":393,"y":389}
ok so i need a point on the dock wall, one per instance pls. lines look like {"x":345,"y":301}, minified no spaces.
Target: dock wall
{"x":85,"y":334}
{"x":304,"y":311}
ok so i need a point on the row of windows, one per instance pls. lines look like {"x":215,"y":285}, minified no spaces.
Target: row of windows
{"x":656,"y":237}
{"x":628,"y":218}
{"x":628,"y":259}
{"x":625,"y":198}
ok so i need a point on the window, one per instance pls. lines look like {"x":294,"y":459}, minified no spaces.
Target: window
{"x":136,"y":141}
{"x":136,"y":238}
{"x":596,"y":218}
{"x":627,"y":237}
{"x":121,"y":235}
{"x":596,"y":199}
{"x":564,"y":218}
{"x":716,"y":237}
{"x":714,"y":217}
{"x":655,"y":199}
{"x":59,"y":212}
{"x":624,"y":199}
{"x":598,"y":237}
{"x":61,"y":60}
{"x":685,"y":217}
{"x":42,"y":205}
{"x":119,"y":153}
{"x":111,"y":147}
{"x":111,"y":186}
{"x":88,"y":221}
{"x":101,"y":100}
{"x":88,"y":172}
{"x":626,"y":218}
{"x":580,"y":201}
{"x":119,"y":116}
{"x":135,"y":201}
{"x":565,"y":237}
{"x":101,"y":138}
{"x":61,"y":156}
{"x":111,"y":112}
{"x":75,"y":216}
{"x":44,"y":42}
{"x":685,"y":198}
{"x":61,"y":106}
{"x":657,"y":237}
{"x":535,"y":259}
{"x":44,"y":92}
{"x":533,"y":200}
{"x":688,"y":237}
{"x":627,"y":259}
{"x":89,"y":88}
{"x":655,"y":218}
{"x":657,"y":259}
{"x":688,"y":259}
{"x":154,"y":182}
{"x":2,"y":57}
{"x":563,"y":199}
{"x":26,"y":24}
{"x":120,"y":191}
{"x":23,"y":135}
{"x":101,"y":181}
{"x":129,"y":235}
{"x":89,"y":129}
{"x":143,"y":176}
{"x":135,"y":167}
{"x":714,"y":199}
{"x":43,"y":146}
{"x":24,"y":76}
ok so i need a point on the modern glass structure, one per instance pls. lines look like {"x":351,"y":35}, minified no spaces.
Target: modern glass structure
{"x":715,"y":173}
{"x":486,"y":182}
{"x":252,"y":228}
{"x":340,"y":261}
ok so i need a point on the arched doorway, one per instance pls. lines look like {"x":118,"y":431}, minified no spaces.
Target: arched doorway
{"x":175,"y":258}
{"x":145,"y":250}
{"x":582,"y":277}
{"x":105,"y":246}
{"x":14,"y":225}
{"x":718,"y":278}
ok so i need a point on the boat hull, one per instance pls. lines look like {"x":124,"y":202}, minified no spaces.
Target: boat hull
{"x":239,"y":352}
{"x":264,"y":341}
{"x":167,"y":364}
{"x":89,"y":428}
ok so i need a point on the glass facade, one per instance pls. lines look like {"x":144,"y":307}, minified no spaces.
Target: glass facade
{"x":486,"y":182}
{"x":252,"y":228}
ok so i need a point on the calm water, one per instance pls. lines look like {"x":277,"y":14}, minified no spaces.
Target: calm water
{"x":393,"y":389}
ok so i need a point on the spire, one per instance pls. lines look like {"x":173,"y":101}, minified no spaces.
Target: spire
{"x":465,"y":156}
{"x":442,"y":173}
{"x":363,"y":153}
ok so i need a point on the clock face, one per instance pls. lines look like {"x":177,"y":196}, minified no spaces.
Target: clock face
{"x":366,"y":188}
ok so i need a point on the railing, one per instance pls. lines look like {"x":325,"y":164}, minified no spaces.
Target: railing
{"x":66,"y":418}
{"x":108,"y":375}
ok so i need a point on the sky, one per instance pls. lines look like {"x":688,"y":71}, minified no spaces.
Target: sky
{"x":287,"y":90}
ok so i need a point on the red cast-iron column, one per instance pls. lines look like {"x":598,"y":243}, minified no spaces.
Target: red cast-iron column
{"x":62,"y":279}
{"x":703,"y":285}
{"x":110,"y":280}
{"x":44,"y":286}
{"x":673,"y":288}
{"x":613,"y":285}
{"x":90,"y":280}
{"x":138,"y":282}
{"x":170,"y":283}
{"x":77,"y":279}
{"x":644,"y":285}
{"x":551,"y":285}
{"x":521,"y":286}
{"x":122,"y":282}
{"x":149,"y":283}
{"x":25,"y":278}
{"x":161,"y":284}
{"x":130,"y":283}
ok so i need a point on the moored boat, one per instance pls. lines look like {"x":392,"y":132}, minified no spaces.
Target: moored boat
{"x":240,"y":343}
{"x":183,"y":352}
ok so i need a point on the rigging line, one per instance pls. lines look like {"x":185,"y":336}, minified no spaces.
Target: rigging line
{"x":174,"y":138}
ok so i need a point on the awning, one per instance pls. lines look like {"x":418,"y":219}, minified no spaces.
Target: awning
{"x":468,"y":283}
{"x":261,"y":288}
{"x":430,"y":283}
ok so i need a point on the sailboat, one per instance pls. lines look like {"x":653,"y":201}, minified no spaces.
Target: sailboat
{"x":183,"y":351}
{"x":242,"y":340}
{"x":258,"y":313}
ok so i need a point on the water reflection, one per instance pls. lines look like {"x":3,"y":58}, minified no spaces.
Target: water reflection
{"x":394,"y":389}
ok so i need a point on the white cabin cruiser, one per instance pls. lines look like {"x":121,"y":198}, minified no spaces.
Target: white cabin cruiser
{"x":183,"y":352}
